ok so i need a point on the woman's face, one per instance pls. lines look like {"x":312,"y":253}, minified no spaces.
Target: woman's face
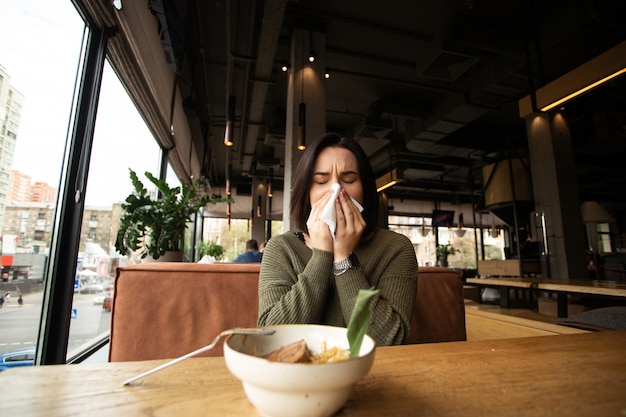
{"x":336,"y":165}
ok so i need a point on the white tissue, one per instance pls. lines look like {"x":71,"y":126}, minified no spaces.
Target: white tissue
{"x":328,"y":213}
{"x":207,"y":259}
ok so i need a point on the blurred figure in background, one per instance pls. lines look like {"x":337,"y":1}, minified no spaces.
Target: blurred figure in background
{"x":251,"y":255}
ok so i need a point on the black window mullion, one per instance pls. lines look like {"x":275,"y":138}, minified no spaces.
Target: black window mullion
{"x":59,"y":289}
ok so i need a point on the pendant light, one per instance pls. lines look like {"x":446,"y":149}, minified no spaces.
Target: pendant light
{"x":302,"y":109}
{"x":230,"y":122}
{"x":311,"y":51}
{"x":460,"y":232}
{"x":270,"y":188}
{"x":302,"y":126}
{"x":229,"y":169}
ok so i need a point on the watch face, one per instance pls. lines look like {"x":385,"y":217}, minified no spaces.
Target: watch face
{"x":354,"y":261}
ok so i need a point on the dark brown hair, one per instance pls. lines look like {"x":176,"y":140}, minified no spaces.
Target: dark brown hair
{"x":300,"y":202}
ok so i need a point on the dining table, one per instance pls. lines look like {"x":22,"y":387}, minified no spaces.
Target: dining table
{"x":563,"y":375}
{"x":562,"y":287}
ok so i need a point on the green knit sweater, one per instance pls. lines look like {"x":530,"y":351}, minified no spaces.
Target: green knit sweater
{"x":297,"y":285}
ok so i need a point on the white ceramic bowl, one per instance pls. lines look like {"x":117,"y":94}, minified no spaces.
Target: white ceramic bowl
{"x":295,"y":389}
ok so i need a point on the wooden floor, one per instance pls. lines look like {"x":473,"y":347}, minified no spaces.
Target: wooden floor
{"x":489,"y":322}
{"x":547,"y":307}
{"x":547,"y":310}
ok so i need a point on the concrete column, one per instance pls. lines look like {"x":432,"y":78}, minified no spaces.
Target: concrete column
{"x":307,"y":85}
{"x":556,"y":195}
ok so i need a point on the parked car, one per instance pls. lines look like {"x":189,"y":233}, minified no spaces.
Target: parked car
{"x":107,"y":303}
{"x":92,"y":289}
{"x":99,"y":298}
{"x":18,"y":357}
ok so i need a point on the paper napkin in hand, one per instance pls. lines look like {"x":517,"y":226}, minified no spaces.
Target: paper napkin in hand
{"x":328,"y":215}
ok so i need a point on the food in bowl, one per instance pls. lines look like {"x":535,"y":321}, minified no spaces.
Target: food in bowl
{"x":279,"y":389}
{"x":298,"y":352}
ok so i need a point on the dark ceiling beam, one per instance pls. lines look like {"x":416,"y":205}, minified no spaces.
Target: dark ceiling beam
{"x":296,"y":10}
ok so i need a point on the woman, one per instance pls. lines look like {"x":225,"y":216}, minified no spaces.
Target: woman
{"x":312,"y":276}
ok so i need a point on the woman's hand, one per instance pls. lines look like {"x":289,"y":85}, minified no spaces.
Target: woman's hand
{"x":319,"y":234}
{"x":350,"y":227}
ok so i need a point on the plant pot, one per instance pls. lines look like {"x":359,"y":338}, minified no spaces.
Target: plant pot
{"x":443,"y":264}
{"x":170,"y":256}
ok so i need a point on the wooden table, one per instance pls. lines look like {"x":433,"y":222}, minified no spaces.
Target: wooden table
{"x":566,"y":375}
{"x":562,"y":287}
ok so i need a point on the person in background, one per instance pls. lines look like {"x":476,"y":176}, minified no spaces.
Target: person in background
{"x":313,"y":276}
{"x":251,"y":255}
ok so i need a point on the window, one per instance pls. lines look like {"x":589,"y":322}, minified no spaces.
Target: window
{"x":121,"y":141}
{"x":40,"y":43}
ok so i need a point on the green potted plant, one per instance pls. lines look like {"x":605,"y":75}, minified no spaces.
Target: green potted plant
{"x":442,"y":254}
{"x":213,"y":249}
{"x":156,"y":226}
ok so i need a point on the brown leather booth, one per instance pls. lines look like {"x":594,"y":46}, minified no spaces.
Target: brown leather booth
{"x":165,"y":310}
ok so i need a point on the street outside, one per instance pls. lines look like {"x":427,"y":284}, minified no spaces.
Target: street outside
{"x":19,"y":325}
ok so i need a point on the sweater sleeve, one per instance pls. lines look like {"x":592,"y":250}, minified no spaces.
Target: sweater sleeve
{"x":293,"y":282}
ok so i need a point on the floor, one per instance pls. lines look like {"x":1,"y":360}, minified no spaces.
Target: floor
{"x":547,"y":311}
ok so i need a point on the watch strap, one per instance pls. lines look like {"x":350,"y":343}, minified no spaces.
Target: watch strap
{"x":341,"y":267}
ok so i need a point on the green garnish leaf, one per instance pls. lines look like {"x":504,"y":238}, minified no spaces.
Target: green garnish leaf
{"x":360,"y":320}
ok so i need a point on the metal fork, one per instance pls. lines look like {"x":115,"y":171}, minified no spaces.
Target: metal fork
{"x":236,"y":330}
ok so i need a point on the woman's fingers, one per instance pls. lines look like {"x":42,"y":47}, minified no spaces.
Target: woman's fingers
{"x":350,"y":226}
{"x":349,"y":211}
{"x":319,"y":233}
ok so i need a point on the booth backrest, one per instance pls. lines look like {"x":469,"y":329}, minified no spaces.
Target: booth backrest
{"x":165,"y":310}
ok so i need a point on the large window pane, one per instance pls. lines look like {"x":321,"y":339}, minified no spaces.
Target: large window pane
{"x":121,"y":141}
{"x":40,"y":45}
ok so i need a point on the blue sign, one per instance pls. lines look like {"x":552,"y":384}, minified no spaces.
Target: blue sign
{"x":74,"y":313}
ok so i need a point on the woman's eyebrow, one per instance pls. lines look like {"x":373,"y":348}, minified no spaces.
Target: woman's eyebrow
{"x":342,"y":173}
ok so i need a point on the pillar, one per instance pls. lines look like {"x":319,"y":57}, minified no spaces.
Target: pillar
{"x":307,"y":85}
{"x":556,"y":195}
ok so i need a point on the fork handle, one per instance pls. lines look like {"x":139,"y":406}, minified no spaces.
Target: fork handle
{"x":174,"y":361}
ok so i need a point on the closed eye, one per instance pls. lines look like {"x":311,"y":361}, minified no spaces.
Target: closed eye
{"x":350,"y":178}
{"x":321,"y":178}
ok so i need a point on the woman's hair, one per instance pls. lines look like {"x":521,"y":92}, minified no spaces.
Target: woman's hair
{"x":300,"y":202}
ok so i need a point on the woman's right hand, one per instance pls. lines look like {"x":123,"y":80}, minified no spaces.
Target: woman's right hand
{"x":319,"y":232}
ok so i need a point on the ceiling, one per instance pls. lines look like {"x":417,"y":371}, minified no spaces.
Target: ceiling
{"x":429,"y":87}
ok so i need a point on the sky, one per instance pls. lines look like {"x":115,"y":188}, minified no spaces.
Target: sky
{"x":40,"y":44}
{"x":35,"y":64}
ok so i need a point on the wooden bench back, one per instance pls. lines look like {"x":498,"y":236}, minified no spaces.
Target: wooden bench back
{"x":439,"y":312}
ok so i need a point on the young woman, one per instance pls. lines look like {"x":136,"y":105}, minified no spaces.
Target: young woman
{"x":314,"y":276}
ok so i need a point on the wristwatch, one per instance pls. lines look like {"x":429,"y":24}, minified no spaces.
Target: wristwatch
{"x":340,"y":268}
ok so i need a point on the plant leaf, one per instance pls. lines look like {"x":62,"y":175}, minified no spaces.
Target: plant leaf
{"x":360,"y":320}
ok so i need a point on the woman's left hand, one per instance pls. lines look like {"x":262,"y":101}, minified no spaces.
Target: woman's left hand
{"x":350,"y":227}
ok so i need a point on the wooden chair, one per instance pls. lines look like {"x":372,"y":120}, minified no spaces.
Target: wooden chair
{"x":439,"y":312}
